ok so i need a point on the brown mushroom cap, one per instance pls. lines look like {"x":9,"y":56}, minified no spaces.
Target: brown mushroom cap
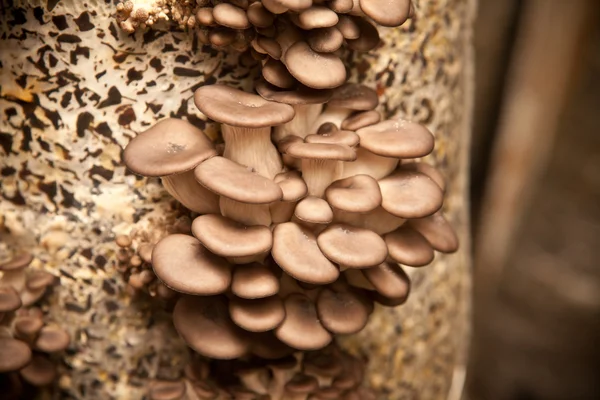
{"x":301,"y":328}
{"x":348,"y":27}
{"x":9,"y":299}
{"x":341,"y":6}
{"x":39,"y":279}
{"x":325,"y":40}
{"x":166,"y":390}
{"x":355,"y":97}
{"x":328,"y":136}
{"x":237,"y":108}
{"x":408,"y":194}
{"x":296,"y":251}
{"x":170,"y":146}
{"x":296,"y":5}
{"x":317,"y":17}
{"x":228,"y":238}
{"x":407,"y":246}
{"x":275,"y":6}
{"x":40,"y":371}
{"x":428,"y":170}
{"x":19,"y":261}
{"x":14,"y":354}
{"x":397,"y":138}
{"x":358,"y":194}
{"x":230,"y":16}
{"x":390,"y":281}
{"x":204,"y":324}
{"x":378,"y":220}
{"x":352,"y":247}
{"x":368,"y":39}
{"x":386,"y":13}
{"x":232,"y":180}
{"x":437,"y":231}
{"x":300,"y":95}
{"x":259,"y":16}
{"x":314,"y":210}
{"x":342,"y":312}
{"x":27,"y":326}
{"x":315,"y":70}
{"x":277,"y":74}
{"x":361,"y":120}
{"x":321,"y":151}
{"x":258,"y":315}
{"x":52,"y":339}
{"x":292,"y":185}
{"x":183,"y":264}
{"x":301,"y":384}
{"x":254,"y":281}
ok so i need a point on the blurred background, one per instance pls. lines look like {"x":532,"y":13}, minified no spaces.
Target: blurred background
{"x":536,"y":201}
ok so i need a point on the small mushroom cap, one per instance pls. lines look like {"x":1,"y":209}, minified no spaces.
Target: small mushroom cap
{"x":183,"y":264}
{"x":270,"y":47}
{"x":342,"y":312}
{"x":296,"y":251}
{"x":355,"y":97}
{"x":357,"y":194}
{"x":277,"y":74}
{"x":301,"y":328}
{"x":14,"y":354}
{"x":408,"y":194}
{"x":205,"y":17}
{"x":228,"y":238}
{"x":39,"y":279}
{"x":341,"y":6}
{"x":438,"y":232}
{"x":321,"y":151}
{"x":361,"y":120}
{"x":166,"y":390}
{"x":352,"y":247}
{"x":169,"y":147}
{"x":275,"y":6}
{"x":9,"y":299}
{"x":259,"y":16}
{"x":315,"y":70}
{"x":292,"y":185}
{"x":27,"y":326}
{"x":368,"y":39}
{"x":230,"y":16}
{"x":237,"y":108}
{"x":378,"y":220}
{"x":407,"y":246}
{"x":254,"y":281}
{"x":391,"y":283}
{"x":204,"y":324}
{"x":40,"y":371}
{"x":386,"y":13}
{"x":314,"y":210}
{"x":232,"y":180}
{"x":295,"y":5}
{"x":52,"y":339}
{"x":346,"y":138}
{"x":428,"y":170}
{"x":327,"y":393}
{"x":397,"y":138}
{"x":300,"y":95}
{"x":317,"y":17}
{"x":348,"y":27}
{"x":325,"y":40}
{"x":301,"y":384}
{"x":19,"y":261}
{"x":258,"y":315}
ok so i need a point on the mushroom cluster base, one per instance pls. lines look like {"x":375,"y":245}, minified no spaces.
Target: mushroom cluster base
{"x":75,"y":89}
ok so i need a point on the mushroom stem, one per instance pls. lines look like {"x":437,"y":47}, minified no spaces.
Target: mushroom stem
{"x":306,"y":115}
{"x":255,"y":380}
{"x":247,"y":214}
{"x":190,"y":193}
{"x":282,"y":211}
{"x":253,"y":148}
{"x":318,"y":175}
{"x":335,"y":115}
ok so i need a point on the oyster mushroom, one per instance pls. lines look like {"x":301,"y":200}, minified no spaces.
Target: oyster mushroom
{"x":301,"y":328}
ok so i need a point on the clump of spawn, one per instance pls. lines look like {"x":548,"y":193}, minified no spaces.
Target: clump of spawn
{"x":305,"y":218}
{"x":326,"y":374}
{"x":27,"y":342}
{"x":298,"y":42}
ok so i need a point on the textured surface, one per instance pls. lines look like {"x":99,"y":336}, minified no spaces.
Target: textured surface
{"x":75,"y":89}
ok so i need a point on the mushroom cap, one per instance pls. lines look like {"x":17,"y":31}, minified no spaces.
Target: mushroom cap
{"x":277,"y":74}
{"x":397,"y":138}
{"x":292,"y":185}
{"x":321,"y":151}
{"x":169,"y":147}
{"x":166,"y":390}
{"x":39,"y":372}
{"x":228,"y":238}
{"x":296,"y":251}
{"x":391,"y":283}
{"x":237,"y":108}
{"x":341,"y":6}
{"x":254,"y":281}
{"x":386,"y":13}
{"x":271,"y":47}
{"x":258,"y":315}
{"x":315,"y":70}
{"x":300,"y":95}
{"x":313,"y":210}
{"x":295,"y":5}
{"x":348,"y":27}
{"x":325,"y":40}
{"x":317,"y":17}
{"x":9,"y":299}
{"x":438,"y":232}
{"x":51,"y":339}
{"x":230,"y":16}
{"x":342,"y":312}
{"x":378,"y":220}
{"x":205,"y":17}
{"x":361,"y":120}
{"x":407,"y":246}
{"x":183,"y":264}
{"x":204,"y":324}
{"x":232,"y":180}
{"x":368,"y":39}
{"x":27,"y":326}
{"x":19,"y":261}
{"x":327,"y":136}
{"x":39,"y":279}
{"x":259,"y":16}
{"x":408,"y":194}
{"x":352,"y":247}
{"x":357,"y":194}
{"x":14,"y":354}
{"x":428,"y":170}
{"x":355,"y":97}
{"x":301,"y":328}
{"x":301,"y":384}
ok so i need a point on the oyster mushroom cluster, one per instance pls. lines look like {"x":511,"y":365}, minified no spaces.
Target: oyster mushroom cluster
{"x":26,"y":341}
{"x":327,"y":374}
{"x":297,"y":41}
{"x":303,"y":219}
